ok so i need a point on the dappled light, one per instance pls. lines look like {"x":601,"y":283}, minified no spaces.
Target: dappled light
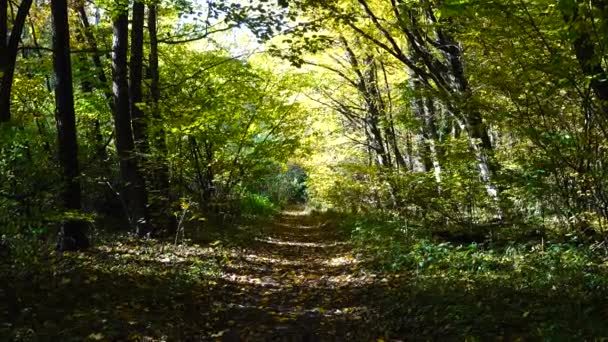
{"x":303,"y":170}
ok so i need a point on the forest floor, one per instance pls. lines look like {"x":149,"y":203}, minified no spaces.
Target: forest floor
{"x":297,"y":277}
{"x":296,"y":280}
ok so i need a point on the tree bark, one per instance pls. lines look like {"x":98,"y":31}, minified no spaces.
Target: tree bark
{"x":8,"y":53}
{"x":73,"y":236}
{"x":368,"y":88}
{"x":161,"y":182}
{"x":138,"y":121}
{"x":3,"y":31}
{"x":391,"y":134}
{"x":591,"y":61}
{"x":134,"y":192}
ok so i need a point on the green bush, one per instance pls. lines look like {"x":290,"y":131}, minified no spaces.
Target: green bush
{"x":255,"y":205}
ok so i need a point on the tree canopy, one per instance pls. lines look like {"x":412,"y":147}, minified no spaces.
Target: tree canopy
{"x":462,"y":144}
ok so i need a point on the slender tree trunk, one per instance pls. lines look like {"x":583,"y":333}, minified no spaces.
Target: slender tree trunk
{"x":92,"y":43}
{"x":377,"y":141}
{"x":8,"y":54}
{"x":86,"y":86}
{"x":138,"y":120}
{"x":369,"y":91}
{"x":133,"y":183}
{"x":73,"y":236}
{"x":472,"y":122}
{"x":409,"y":151}
{"x":198,"y":170}
{"x":86,"y":83}
{"x":392,"y":136}
{"x":418,"y":107}
{"x":49,"y":85}
{"x":589,"y":59}
{"x":424,"y":109}
{"x":161,"y":183}
{"x":432,"y":138}
{"x":3,"y":32}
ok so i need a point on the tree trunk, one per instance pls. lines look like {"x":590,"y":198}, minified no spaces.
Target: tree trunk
{"x":8,"y":53}
{"x":3,"y":31}
{"x":432,"y":138}
{"x":161,"y":184}
{"x":369,"y":91}
{"x":424,"y":110}
{"x":475,"y":124}
{"x":588,"y":58}
{"x":86,"y":36}
{"x":92,"y":43}
{"x":392,"y":136}
{"x":472,"y":122}
{"x":409,"y":151}
{"x":73,"y":236}
{"x":134,"y":192}
{"x":138,"y":121}
{"x":418,"y":108}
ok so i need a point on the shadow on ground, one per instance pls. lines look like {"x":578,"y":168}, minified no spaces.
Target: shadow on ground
{"x":297,"y":281}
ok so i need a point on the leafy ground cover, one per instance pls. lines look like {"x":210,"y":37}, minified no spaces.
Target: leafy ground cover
{"x":306,"y":276}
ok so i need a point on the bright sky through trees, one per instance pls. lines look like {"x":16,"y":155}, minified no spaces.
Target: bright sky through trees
{"x":286,"y":170}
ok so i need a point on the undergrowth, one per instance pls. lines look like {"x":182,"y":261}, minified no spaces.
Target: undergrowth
{"x":516,"y":289}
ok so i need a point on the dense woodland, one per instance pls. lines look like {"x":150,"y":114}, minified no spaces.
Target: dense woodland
{"x":303,"y":169}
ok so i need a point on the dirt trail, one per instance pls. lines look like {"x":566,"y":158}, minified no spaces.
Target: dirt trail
{"x":298,"y":282}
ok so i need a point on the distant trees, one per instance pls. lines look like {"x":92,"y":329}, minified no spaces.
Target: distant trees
{"x":499,"y":97}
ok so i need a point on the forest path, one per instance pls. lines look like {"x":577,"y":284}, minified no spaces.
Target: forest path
{"x":296,"y":281}
{"x":299,"y":281}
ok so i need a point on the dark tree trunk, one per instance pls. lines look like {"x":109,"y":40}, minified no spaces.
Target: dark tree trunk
{"x":391,"y":136}
{"x":477,"y":127}
{"x":134,"y":192}
{"x":366,"y":86}
{"x":138,"y":120}
{"x":8,"y":53}
{"x":590,"y":60}
{"x":86,"y":86}
{"x":198,"y":170}
{"x":377,"y":140}
{"x":73,"y":235}
{"x":161,"y":184}
{"x":3,"y":31}
{"x":368,"y":89}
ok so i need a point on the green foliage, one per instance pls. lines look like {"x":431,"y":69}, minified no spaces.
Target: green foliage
{"x":28,"y":185}
{"x":461,"y":282}
{"x":231,"y":126}
{"x":282,"y":187}
{"x":257,"y":205}
{"x":385,"y":123}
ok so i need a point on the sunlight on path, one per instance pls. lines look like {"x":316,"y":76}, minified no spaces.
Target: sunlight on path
{"x":298,"y":282}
